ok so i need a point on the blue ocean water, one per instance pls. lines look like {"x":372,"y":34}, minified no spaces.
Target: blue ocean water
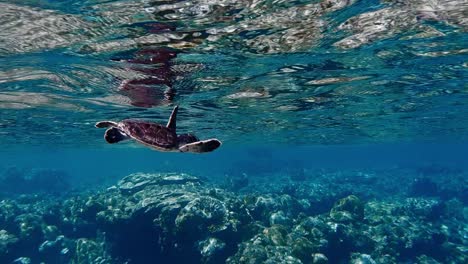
{"x":343,"y":124}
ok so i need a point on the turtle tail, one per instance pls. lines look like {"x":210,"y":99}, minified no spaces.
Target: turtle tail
{"x":113,"y":135}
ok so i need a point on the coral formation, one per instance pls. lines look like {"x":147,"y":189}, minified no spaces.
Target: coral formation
{"x":180,"y":218}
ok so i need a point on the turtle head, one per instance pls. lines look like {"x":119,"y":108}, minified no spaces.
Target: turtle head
{"x":183,"y":139}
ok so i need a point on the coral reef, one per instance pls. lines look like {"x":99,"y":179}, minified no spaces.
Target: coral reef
{"x":168,"y":217}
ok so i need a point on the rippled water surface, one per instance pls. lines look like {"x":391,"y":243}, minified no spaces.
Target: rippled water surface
{"x":344,"y":126}
{"x":295,"y":72}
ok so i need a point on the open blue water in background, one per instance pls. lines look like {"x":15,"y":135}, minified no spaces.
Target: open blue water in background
{"x":342,"y":121}
{"x":107,"y":165}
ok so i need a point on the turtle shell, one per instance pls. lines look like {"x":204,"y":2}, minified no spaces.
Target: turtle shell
{"x":151,"y":134}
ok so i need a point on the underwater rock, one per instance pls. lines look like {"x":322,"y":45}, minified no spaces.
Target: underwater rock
{"x":279,"y":218}
{"x":257,"y":250}
{"x":176,"y":209}
{"x":316,"y":231}
{"x":410,"y":231}
{"x":200,"y":214}
{"x":276,"y":235}
{"x":51,"y":232}
{"x":178,"y":218}
{"x":283,"y":244}
{"x":302,"y":248}
{"x":280,"y":258}
{"x":315,"y":196}
{"x":342,"y":240}
{"x":357,"y":258}
{"x":423,"y":259}
{"x":8,"y":212}
{"x":263,"y":206}
{"x":73,"y":217}
{"x":249,"y":253}
{"x":138,"y":181}
{"x":319,"y":258}
{"x":22,"y":260}
{"x":89,"y":251}
{"x":431,"y":209}
{"x":6,"y":241}
{"x":348,"y":209}
{"x":91,"y":208}
{"x":271,"y":245}
{"x":211,"y":250}
{"x":30,"y":227}
{"x":56,"y":251}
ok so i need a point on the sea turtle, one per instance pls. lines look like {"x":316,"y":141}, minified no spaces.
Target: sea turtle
{"x":157,"y":136}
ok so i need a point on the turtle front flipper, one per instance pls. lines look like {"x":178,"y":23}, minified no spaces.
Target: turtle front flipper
{"x":201,"y":146}
{"x":172,"y":119}
{"x":114,"y":135}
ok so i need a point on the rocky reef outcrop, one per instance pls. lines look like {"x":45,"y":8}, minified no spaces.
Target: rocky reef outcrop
{"x":182,"y":219}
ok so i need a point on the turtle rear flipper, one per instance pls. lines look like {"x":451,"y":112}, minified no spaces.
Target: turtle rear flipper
{"x":201,"y":146}
{"x":113,"y":135}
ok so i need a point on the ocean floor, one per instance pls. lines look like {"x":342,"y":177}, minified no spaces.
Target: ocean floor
{"x":397,"y":215}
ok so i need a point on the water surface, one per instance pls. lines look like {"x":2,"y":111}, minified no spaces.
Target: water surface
{"x":344,"y":126}
{"x":302,"y":72}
